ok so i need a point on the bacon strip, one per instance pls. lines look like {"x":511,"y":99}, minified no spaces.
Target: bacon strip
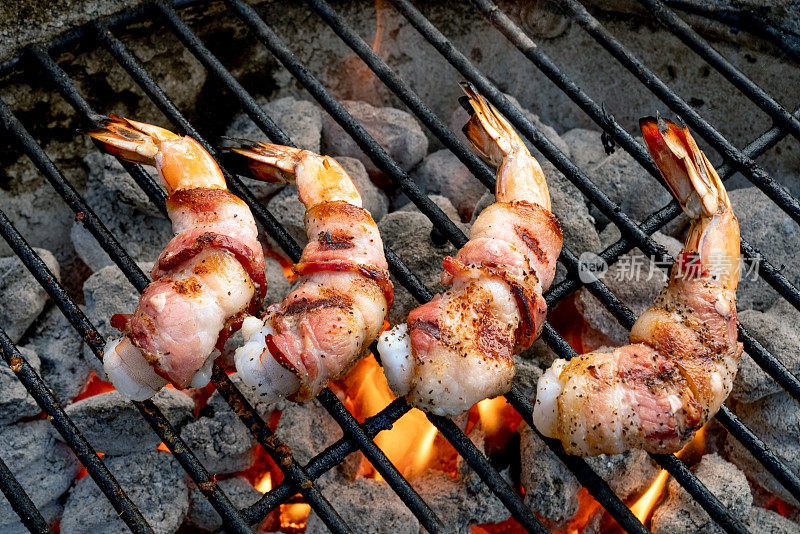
{"x":379,"y":276}
{"x":187,"y":245}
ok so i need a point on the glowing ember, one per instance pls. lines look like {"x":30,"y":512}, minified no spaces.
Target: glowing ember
{"x":286,"y":263}
{"x":163,"y":447}
{"x":509,"y":526}
{"x":83,"y":472}
{"x":294,"y":516}
{"x":94,"y":387}
{"x":587,"y":507}
{"x":264,"y":482}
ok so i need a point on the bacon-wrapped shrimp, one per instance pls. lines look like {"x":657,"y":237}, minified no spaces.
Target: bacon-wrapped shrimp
{"x":459,"y":348}
{"x":343,"y":293}
{"x":656,"y":392}
{"x":206,"y":279}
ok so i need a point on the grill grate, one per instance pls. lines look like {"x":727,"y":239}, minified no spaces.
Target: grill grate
{"x":359,"y":436}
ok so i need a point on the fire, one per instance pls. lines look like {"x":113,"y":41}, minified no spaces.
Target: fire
{"x":498,"y":420}
{"x":409,"y":444}
{"x":489,"y":414}
{"x":380,"y":23}
{"x":94,"y":387}
{"x":294,"y":516}
{"x":693,"y":450}
{"x":286,"y":263}
{"x":587,"y":508}
{"x":264,"y":482}
{"x":643,"y":507}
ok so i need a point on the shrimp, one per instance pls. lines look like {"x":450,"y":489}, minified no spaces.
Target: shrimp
{"x":204,"y":281}
{"x":343,"y":294}
{"x":656,"y":392}
{"x":458,"y":349}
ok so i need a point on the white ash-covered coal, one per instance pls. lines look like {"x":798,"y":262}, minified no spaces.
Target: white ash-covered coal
{"x":132,"y":451}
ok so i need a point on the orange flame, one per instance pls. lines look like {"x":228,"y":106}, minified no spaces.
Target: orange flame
{"x":409,"y":444}
{"x":286,"y":263}
{"x":644,"y":505}
{"x":264,"y":482}
{"x":490,"y":414}
{"x":380,"y":23}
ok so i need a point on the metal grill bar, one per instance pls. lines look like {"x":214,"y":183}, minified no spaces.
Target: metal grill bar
{"x":760,"y":452}
{"x":238,"y":403}
{"x":783,"y":40}
{"x":371,"y":148}
{"x":338,"y":451}
{"x":425,"y":515}
{"x":478,"y":168}
{"x":700,"y":46}
{"x":332,"y":456}
{"x":596,"y":486}
{"x":70,"y":93}
{"x":462,"y":64}
{"x":480,"y":463}
{"x":127,"y":511}
{"x":442,"y":132}
{"x":150,"y":411}
{"x":21,"y":503}
{"x":378,"y":459}
{"x":743,"y":164}
{"x":375,"y":152}
{"x":516,"y":36}
{"x":328,"y":399}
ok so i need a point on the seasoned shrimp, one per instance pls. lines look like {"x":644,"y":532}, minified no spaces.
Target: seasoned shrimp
{"x":343,"y":294}
{"x":656,"y":392}
{"x":458,"y":349}
{"x":207,"y":277}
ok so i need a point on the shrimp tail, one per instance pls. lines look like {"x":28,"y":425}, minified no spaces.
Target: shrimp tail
{"x":714,"y":233}
{"x":318,"y":178}
{"x":129,"y":140}
{"x":491,"y":134}
{"x":519,"y":175}
{"x":268,"y":162}
{"x":685,"y":168}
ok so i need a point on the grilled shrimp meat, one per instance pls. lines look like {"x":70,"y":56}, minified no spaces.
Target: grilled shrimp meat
{"x":207,"y":277}
{"x":656,"y":392}
{"x":458,"y":349}
{"x":343,"y":294}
